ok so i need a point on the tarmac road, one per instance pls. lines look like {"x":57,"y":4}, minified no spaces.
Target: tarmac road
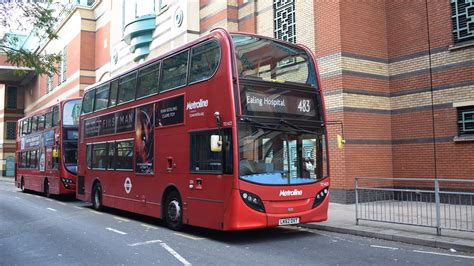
{"x":60,"y":231}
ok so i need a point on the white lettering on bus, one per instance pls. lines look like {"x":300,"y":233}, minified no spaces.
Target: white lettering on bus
{"x":265,"y":101}
{"x":196,"y":105}
{"x":294,"y":192}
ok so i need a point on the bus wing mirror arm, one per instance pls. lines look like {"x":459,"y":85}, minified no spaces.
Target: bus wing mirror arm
{"x":216,"y":140}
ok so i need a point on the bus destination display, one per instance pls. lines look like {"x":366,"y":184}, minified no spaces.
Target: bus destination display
{"x":278,"y":103}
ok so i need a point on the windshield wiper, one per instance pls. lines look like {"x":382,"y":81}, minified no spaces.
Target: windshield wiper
{"x":283,"y":121}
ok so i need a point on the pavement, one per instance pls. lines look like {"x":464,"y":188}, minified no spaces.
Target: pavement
{"x":342,"y":220}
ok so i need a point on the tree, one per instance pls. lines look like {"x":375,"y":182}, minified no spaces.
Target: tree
{"x":38,"y":17}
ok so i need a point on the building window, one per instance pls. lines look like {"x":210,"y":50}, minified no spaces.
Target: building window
{"x":462,"y":14}
{"x":49,"y":83}
{"x":466,"y":121}
{"x":284,"y":20}
{"x":63,"y":66}
{"x":11,"y":97}
{"x":11,"y":130}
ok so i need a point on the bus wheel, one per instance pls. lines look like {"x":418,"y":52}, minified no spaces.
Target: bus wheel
{"x":22,"y":185}
{"x":174,"y":211}
{"x":97,"y":197}
{"x":46,"y":188}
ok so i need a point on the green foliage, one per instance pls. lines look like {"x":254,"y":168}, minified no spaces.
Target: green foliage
{"x":40,"y":19}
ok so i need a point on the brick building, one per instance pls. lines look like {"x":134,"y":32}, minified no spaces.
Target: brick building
{"x":398,"y":74}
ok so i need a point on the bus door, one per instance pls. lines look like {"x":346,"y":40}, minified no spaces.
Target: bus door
{"x":210,"y":178}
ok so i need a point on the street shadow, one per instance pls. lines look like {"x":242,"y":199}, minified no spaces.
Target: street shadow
{"x":244,"y":237}
{"x":63,"y":198}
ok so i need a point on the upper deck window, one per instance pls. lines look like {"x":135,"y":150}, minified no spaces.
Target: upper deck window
{"x":48,"y":117}
{"x":55,"y":116}
{"x":34,"y":123}
{"x":101,"y":97}
{"x":148,"y":80}
{"x":40,"y":122}
{"x":88,"y":102}
{"x":71,"y":113}
{"x":113,"y":93}
{"x":205,"y":60}
{"x":259,"y":58}
{"x":174,"y":72}
{"x":127,"y":88}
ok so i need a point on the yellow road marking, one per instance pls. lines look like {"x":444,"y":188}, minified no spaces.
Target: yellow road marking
{"x":190,"y":237}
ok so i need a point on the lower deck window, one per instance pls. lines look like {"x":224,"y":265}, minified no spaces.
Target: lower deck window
{"x":99,"y":155}
{"x":124,"y":155}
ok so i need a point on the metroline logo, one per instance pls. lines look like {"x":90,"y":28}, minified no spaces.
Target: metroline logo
{"x":294,"y":192}
{"x":196,"y":105}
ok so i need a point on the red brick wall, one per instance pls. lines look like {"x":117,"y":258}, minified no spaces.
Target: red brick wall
{"x":363,"y":28}
{"x":327,"y":28}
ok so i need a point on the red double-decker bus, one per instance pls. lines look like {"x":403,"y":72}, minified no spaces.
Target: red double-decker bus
{"x":46,"y":150}
{"x":227,"y":132}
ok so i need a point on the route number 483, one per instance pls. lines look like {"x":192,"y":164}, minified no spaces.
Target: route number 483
{"x":304,"y":106}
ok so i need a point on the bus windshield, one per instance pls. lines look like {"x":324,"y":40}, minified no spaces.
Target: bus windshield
{"x":71,"y":113}
{"x":266,"y":59}
{"x":279,"y":155}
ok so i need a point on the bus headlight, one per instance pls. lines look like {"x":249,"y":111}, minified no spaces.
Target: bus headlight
{"x":320,"y":196}
{"x":252,"y":200}
{"x":67,"y":182}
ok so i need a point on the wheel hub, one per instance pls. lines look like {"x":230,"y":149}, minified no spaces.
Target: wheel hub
{"x":174,"y":210}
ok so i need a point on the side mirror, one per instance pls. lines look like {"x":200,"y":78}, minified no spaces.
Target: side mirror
{"x":216,"y":143}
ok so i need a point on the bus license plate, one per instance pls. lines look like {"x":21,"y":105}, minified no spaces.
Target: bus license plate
{"x":286,"y":221}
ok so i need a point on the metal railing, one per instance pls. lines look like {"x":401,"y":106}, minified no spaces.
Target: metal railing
{"x":437,"y":203}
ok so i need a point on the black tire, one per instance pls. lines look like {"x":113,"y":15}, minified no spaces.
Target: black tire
{"x":22,"y":185}
{"x":46,"y":189}
{"x":173,"y":211}
{"x":96,"y":197}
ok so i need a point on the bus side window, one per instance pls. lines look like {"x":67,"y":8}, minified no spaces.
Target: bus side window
{"x":99,"y":155}
{"x":204,"y":61}
{"x":89,"y":156}
{"x":40,"y":122}
{"x":34,"y":124}
{"x":148,"y":80}
{"x":33,"y":159}
{"x":88,"y":102}
{"x":101,"y":97}
{"x":55,"y":116}
{"x":113,"y":93}
{"x":48,"y":120}
{"x":24,"y":127}
{"x":111,"y":155}
{"x":124,"y":155}
{"x":174,"y":71}
{"x":126,"y":88}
